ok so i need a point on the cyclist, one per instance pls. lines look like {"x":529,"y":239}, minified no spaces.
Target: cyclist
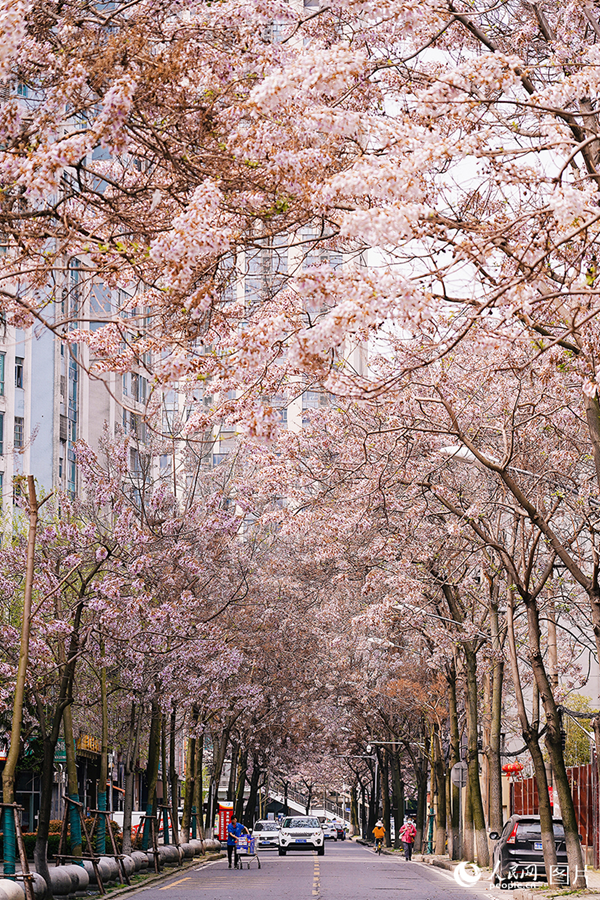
{"x":379,"y":834}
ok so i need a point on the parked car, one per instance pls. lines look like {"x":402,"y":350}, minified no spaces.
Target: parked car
{"x":301,"y":833}
{"x":266,"y":832}
{"x":518,"y":855}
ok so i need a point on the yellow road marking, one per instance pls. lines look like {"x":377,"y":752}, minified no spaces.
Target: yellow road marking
{"x":316,"y":883}
{"x":174,"y":883}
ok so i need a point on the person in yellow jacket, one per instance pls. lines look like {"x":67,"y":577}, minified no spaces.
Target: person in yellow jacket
{"x":379,"y":834}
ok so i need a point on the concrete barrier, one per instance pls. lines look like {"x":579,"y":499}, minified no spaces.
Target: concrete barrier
{"x":60,"y":881}
{"x":168,"y":855}
{"x":108,"y":864}
{"x":128,"y":864}
{"x":188,"y":851}
{"x":140,"y":859}
{"x":80,"y":879}
{"x":10,"y":890}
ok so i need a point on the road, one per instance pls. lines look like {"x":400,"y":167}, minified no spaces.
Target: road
{"x":347,"y":871}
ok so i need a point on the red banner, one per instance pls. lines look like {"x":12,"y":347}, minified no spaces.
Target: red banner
{"x":225,"y":816}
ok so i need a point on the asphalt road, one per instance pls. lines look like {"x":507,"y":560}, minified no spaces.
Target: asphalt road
{"x":347,"y":871}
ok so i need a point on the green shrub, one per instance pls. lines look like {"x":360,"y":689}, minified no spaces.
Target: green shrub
{"x":29,"y":839}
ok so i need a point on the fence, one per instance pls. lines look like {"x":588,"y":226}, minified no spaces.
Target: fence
{"x":584,"y":789}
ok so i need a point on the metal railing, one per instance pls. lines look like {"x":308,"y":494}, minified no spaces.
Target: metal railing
{"x":317,"y":802}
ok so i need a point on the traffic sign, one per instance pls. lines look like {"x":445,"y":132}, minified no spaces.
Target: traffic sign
{"x":458,"y":774}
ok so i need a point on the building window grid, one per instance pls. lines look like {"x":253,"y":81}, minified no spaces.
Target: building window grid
{"x":19,"y":432}
{"x":19,"y":365}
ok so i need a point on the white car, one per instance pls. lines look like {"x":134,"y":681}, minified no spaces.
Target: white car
{"x":301,"y":833}
{"x":266,"y":832}
{"x":329,"y":831}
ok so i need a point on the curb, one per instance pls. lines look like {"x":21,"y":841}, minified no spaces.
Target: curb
{"x":156,"y":879}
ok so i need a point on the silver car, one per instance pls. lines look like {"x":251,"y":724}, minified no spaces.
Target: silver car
{"x":266,"y":832}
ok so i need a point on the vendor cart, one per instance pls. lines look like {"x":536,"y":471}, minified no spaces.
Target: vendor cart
{"x":246,"y":852}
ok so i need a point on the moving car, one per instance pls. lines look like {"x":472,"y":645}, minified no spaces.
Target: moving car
{"x":266,"y":832}
{"x":301,"y":833}
{"x":341,"y":830}
{"x":518,"y":855}
{"x":329,"y":831}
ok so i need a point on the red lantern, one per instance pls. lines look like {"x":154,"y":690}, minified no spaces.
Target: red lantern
{"x":513,"y":769}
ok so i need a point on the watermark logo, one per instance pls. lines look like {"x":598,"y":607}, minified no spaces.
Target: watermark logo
{"x":467,"y":874}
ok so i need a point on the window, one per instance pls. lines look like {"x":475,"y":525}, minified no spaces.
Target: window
{"x":2,"y":361}
{"x":19,"y":371}
{"x":139,"y":387}
{"x":72,"y":478}
{"x":134,"y":461}
{"x":19,"y":432}
{"x":1,"y":434}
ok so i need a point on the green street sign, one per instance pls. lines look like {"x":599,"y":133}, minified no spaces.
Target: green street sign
{"x":60,"y":751}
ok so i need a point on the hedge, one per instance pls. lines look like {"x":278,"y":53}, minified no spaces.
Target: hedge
{"x":29,"y":839}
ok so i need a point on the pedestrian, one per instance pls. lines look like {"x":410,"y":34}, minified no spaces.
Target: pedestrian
{"x":407,"y":835}
{"x":234,"y":830}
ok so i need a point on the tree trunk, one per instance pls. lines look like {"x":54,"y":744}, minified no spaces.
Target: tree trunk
{"x":440,"y":784}
{"x":235,"y":749}
{"x":190,"y":777}
{"x":101,"y":824}
{"x":252,"y":797}
{"x":373,"y":810}
{"x":363,"y":823}
{"x":421,"y":770}
{"x":50,"y":738}
{"x":398,"y":789}
{"x":468,"y":842}
{"x":241,"y":784}
{"x":454,"y":792}
{"x":73,"y":785}
{"x":493,"y":754}
{"x":219,"y":750}
{"x":530,"y":736}
{"x":10,"y":766}
{"x":40,"y":853}
{"x":131,"y":753}
{"x":554,"y":746}
{"x":165,"y":778}
{"x":152,"y":771}
{"x":197,"y":799}
{"x":354,"y":822}
{"x":309,"y":796}
{"x":173,"y":779}
{"x":479,"y":829}
{"x":384,"y":779}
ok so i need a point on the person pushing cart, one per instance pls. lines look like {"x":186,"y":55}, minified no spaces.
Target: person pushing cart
{"x":235,"y":830}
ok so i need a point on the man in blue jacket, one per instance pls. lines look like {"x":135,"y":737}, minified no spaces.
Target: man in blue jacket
{"x":234,"y":830}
